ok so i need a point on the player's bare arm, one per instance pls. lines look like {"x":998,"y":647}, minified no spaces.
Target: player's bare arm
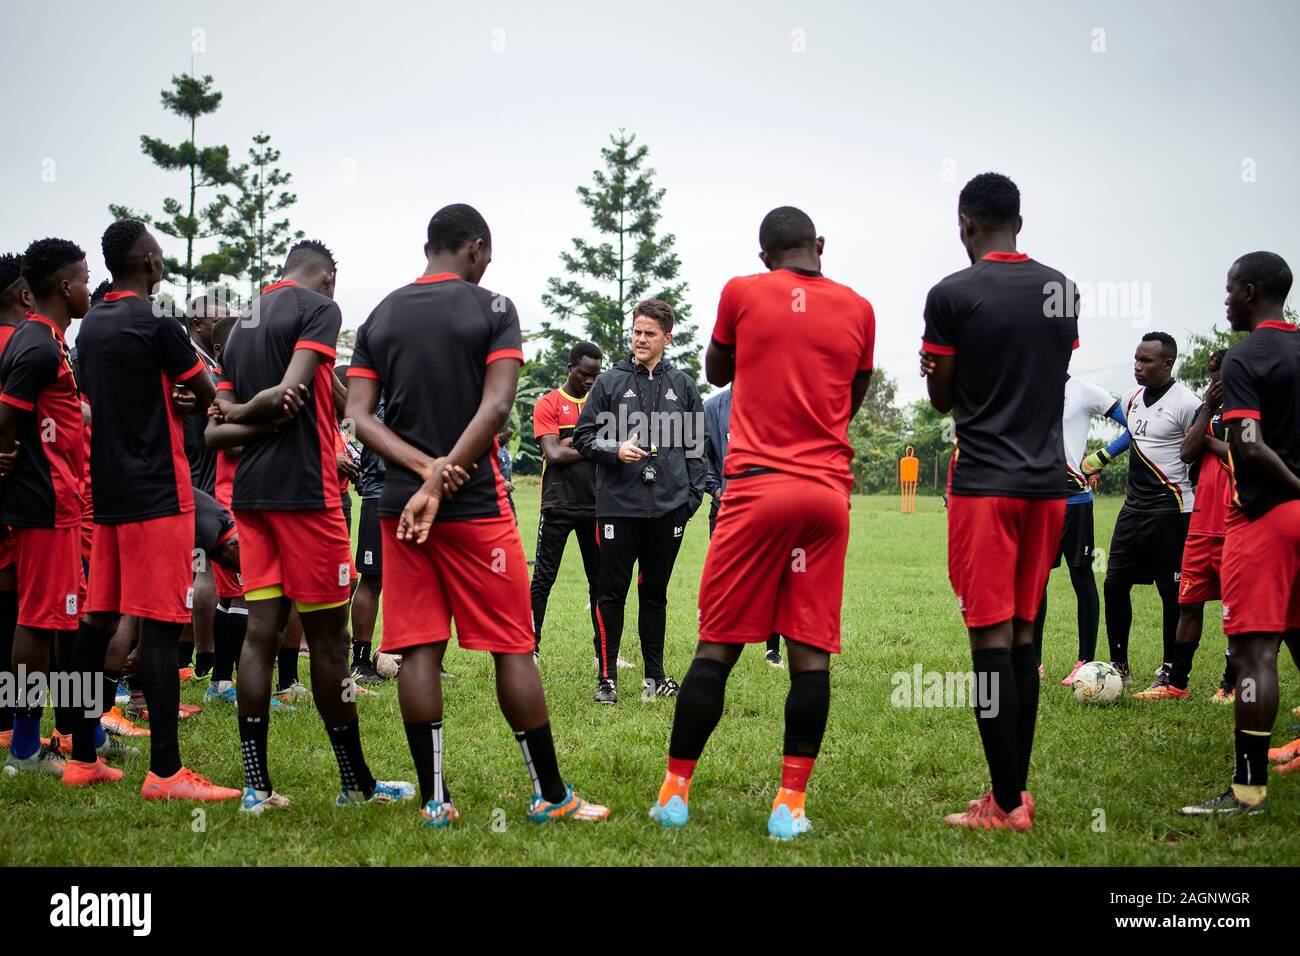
{"x":939,"y":379}
{"x":287,"y":398}
{"x":559,"y":451}
{"x":719,"y":364}
{"x":861,"y":385}
{"x":1256,"y":454}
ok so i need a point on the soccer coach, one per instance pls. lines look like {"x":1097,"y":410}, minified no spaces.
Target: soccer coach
{"x":643,"y":427}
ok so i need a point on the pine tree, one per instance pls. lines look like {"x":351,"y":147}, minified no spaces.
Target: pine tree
{"x":606,"y":278}
{"x":208,"y":168}
{"x":255,"y":239}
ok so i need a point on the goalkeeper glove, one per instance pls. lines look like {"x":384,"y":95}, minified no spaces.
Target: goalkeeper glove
{"x":1095,"y":462}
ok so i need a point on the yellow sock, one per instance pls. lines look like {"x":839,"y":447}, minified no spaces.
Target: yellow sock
{"x":1248,"y":794}
{"x":674,"y":785}
{"x":791,"y":798}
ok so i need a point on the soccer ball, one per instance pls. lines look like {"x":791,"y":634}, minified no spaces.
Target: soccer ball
{"x":1097,"y":683}
{"x":387,"y":665}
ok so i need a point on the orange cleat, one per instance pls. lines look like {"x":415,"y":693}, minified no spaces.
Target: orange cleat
{"x":1285,"y":753}
{"x":6,"y":738}
{"x":186,"y":674}
{"x":1161,"y":692}
{"x":185,"y":784}
{"x":1289,"y":767}
{"x":987,"y":815}
{"x":115,"y":722}
{"x":78,"y":773}
{"x":188,"y":709}
{"x":1222,"y":696}
{"x":61,"y":744}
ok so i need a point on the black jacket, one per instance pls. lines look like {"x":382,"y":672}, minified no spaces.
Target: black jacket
{"x":622,"y":401}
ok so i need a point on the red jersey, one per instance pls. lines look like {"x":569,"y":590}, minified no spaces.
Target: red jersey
{"x":800,"y":340}
{"x":1213,"y":495}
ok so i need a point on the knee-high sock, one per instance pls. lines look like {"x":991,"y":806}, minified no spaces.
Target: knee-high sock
{"x":1024,"y":667}
{"x":699,"y":708}
{"x":88,"y":652}
{"x":1085,"y":593}
{"x":997,"y":714}
{"x":424,"y":737}
{"x":537,"y":747}
{"x":807,"y":707}
{"x":162,"y":692}
{"x":1168,"y":591}
{"x":1040,"y":623}
{"x":1119,"y":618}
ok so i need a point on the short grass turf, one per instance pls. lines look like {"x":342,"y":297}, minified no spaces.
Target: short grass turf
{"x":1107,"y":780}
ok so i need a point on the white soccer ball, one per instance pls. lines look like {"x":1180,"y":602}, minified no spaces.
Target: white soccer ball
{"x":1098,"y":683}
{"x":387,"y":665}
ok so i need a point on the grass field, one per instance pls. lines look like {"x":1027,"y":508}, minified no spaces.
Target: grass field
{"x":886,"y":774}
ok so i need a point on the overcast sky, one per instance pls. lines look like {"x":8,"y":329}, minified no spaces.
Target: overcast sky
{"x":1153,"y":142}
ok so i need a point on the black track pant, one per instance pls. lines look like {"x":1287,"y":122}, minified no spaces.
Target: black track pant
{"x":651,"y":543}
{"x":553,"y":529}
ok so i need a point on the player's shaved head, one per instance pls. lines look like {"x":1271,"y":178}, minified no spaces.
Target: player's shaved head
{"x":1267,"y":272}
{"x":786,"y":229}
{"x":990,"y":199}
{"x":452,"y":227}
{"x":124,"y":246}
{"x":47,"y":262}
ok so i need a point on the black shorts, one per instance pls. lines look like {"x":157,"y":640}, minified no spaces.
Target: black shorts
{"x":1076,"y":536}
{"x":370,"y":555}
{"x":1147,"y":547}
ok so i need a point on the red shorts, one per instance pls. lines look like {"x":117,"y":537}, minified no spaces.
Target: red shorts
{"x":144,"y":568}
{"x":1261,"y":573}
{"x":471,"y":572}
{"x":50,"y":582}
{"x":776,"y":563}
{"x":228,"y":583}
{"x":1000,"y":552}
{"x":307,"y":553}
{"x":1202,"y":565}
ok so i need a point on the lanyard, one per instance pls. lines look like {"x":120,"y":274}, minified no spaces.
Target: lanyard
{"x":636,"y":384}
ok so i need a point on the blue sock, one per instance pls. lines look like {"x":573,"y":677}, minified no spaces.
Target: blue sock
{"x":27,"y":733}
{"x":101,"y":735}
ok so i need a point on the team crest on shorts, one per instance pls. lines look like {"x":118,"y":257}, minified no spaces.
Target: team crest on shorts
{"x":189,"y":598}
{"x":70,"y":605}
{"x":609,"y":532}
{"x":369,"y":558}
{"x":345,"y":576}
{"x":677,"y":532}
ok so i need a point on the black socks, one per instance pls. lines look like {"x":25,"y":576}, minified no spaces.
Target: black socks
{"x":806,"y":708}
{"x":538,"y":750}
{"x":699,"y":707}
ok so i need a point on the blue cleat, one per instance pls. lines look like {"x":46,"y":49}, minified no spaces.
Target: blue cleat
{"x":255,"y":802}
{"x":672,"y":814}
{"x":386,"y":791}
{"x":224,"y":695}
{"x":784,"y":825}
{"x":572,"y":807}
{"x":437,"y":816}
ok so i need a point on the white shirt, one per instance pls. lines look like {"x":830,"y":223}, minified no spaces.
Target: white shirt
{"x":1083,"y":402}
{"x":1158,"y":480}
